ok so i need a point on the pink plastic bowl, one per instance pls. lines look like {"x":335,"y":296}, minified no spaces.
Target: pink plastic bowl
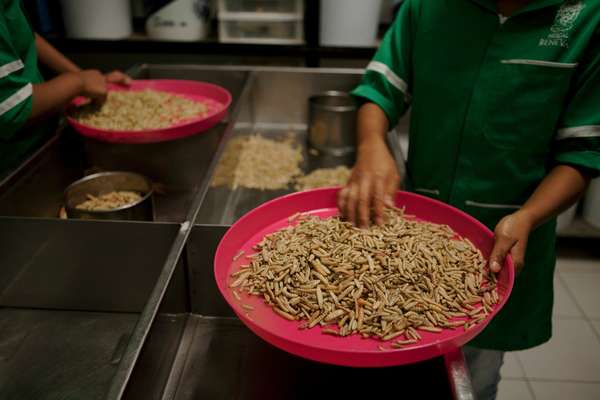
{"x":215,"y":97}
{"x":352,"y":350}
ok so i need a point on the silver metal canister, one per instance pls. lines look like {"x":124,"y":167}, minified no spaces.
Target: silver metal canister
{"x":332,"y":123}
{"x":106,"y":182}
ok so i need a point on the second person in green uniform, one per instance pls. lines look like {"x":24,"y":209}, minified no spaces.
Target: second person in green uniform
{"x":505,"y":125}
{"x":25,"y":99}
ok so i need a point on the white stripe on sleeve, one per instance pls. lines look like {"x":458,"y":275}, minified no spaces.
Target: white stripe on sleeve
{"x":16,"y":98}
{"x":586,"y":131}
{"x":391,"y":77}
{"x":10,"y":67}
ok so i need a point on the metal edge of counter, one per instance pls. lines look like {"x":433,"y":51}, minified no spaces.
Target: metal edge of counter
{"x":140,"y":333}
{"x":247,"y":68}
{"x":22,"y":169}
{"x":458,"y":375}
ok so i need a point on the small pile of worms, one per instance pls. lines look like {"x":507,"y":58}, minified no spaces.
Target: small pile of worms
{"x":109,"y":201}
{"x":387,"y":282}
{"x":256,"y":162}
{"x":324,"y":177}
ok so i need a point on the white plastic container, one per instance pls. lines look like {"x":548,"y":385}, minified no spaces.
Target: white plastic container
{"x":295,"y":7}
{"x":180,"y":20}
{"x":349,"y":23}
{"x":94,"y":19}
{"x":591,"y":204}
{"x":261,"y":21}
{"x":263,"y":29}
{"x":565,"y":219}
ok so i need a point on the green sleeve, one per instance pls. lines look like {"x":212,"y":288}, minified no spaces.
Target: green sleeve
{"x":15,"y":88}
{"x":577,"y":141}
{"x":387,"y":79}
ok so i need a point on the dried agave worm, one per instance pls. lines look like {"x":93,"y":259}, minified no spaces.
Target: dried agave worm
{"x":389,"y":282}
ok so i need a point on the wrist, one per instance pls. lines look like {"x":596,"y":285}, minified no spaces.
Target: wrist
{"x":528,"y":217}
{"x":77,"y":80}
{"x":372,"y":142}
{"x":372,"y":150}
{"x":72,"y":67}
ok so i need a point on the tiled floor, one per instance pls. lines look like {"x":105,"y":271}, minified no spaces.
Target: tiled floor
{"x":568,"y":366}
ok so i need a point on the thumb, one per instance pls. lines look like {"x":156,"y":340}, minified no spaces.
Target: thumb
{"x":118,"y":77}
{"x":502,"y":246}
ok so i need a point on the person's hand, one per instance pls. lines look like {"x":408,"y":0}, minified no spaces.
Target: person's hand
{"x":93,"y":85}
{"x":511,"y":236}
{"x":372,"y":185}
{"x":118,"y":77}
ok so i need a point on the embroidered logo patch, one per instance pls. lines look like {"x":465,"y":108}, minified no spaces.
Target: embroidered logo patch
{"x":563,"y":24}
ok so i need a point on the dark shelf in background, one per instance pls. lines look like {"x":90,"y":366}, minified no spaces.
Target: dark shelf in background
{"x":139,"y":44}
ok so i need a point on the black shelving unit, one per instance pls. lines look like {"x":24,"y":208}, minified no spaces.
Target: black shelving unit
{"x":309,"y":54}
{"x":312,"y":54}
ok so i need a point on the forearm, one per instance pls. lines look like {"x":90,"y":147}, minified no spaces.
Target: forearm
{"x":372,"y":125}
{"x":50,"y":96}
{"x":52,"y":58}
{"x":557,"y":192}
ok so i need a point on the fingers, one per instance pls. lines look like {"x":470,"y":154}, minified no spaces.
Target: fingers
{"x":518,"y":254}
{"x":365,"y":198}
{"x":352,"y":202}
{"x":99,"y":97}
{"x":342,"y":200}
{"x":101,"y":93}
{"x":512,"y":233}
{"x":370,"y":190}
{"x":502,"y":246}
{"x":378,"y":201}
{"x":118,"y":77}
{"x":94,"y":86}
{"x":391,"y":187}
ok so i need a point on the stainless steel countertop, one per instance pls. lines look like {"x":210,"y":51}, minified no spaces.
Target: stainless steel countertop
{"x":269,"y":99}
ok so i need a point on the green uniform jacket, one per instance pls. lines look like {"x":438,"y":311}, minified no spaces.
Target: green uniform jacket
{"x":18,"y":72}
{"x":496,"y":102}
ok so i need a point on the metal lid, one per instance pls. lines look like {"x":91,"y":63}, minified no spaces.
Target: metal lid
{"x":333,"y":100}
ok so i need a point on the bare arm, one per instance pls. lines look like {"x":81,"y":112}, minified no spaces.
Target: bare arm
{"x":375,"y":176}
{"x":557,"y":192}
{"x":52,"y":58}
{"x":372,"y":125}
{"x":59,"y":63}
{"x":563,"y":186}
{"x":50,"y":96}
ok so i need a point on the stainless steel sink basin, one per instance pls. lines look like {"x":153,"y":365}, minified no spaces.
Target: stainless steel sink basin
{"x":71,"y":294}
